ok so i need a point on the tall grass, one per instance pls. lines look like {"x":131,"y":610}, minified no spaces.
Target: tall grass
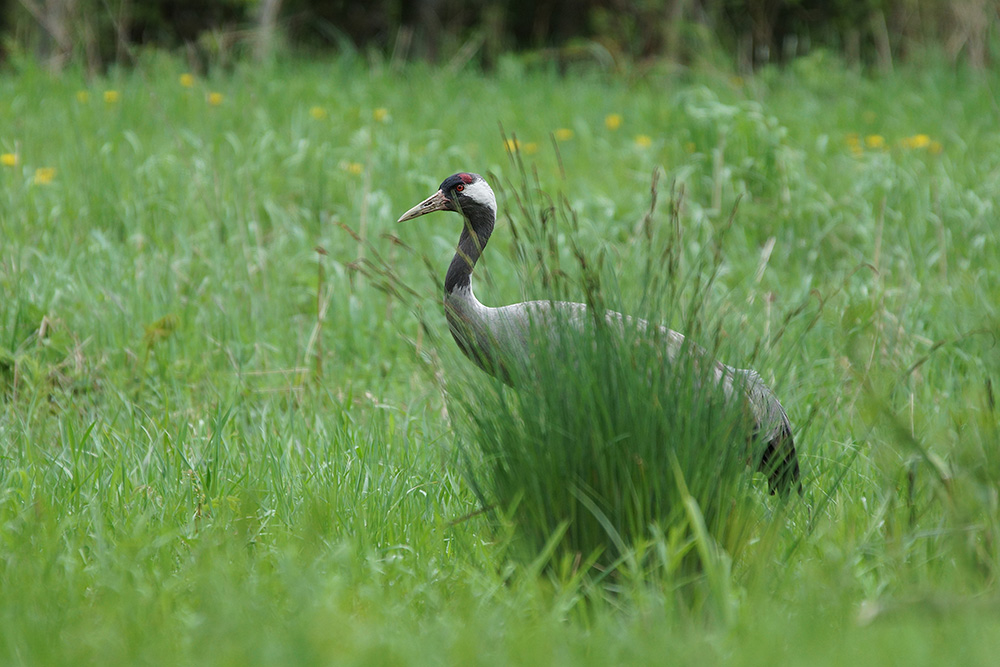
{"x":181,"y":482}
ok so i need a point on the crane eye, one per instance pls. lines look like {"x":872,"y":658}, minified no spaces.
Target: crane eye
{"x":459,"y":187}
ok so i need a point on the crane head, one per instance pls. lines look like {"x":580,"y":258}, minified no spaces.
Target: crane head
{"x":459,"y":192}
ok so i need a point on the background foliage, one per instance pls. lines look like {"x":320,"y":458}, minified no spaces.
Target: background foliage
{"x":607,"y":32}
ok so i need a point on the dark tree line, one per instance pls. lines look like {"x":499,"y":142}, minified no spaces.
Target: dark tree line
{"x":877,"y":32}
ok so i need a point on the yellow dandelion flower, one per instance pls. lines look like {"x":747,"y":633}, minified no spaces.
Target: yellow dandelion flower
{"x":935,"y":148}
{"x":215,"y":99}
{"x":354,"y":168}
{"x":187,"y":80}
{"x":82,"y":96}
{"x":381,"y":115}
{"x":875,"y":141}
{"x":112,"y":96}
{"x":9,"y":159}
{"x":44,"y":175}
{"x":613,"y":121}
{"x":563,"y":134}
{"x":854,"y":143}
{"x":319,"y":113}
{"x":512,"y":145}
{"x":916,"y":141}
{"x":531,"y":148}
{"x":643,"y":141}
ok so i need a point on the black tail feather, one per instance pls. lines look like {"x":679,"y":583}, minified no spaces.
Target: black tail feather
{"x":780,"y":463}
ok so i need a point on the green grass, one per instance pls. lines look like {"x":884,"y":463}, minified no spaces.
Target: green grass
{"x":191,"y":470}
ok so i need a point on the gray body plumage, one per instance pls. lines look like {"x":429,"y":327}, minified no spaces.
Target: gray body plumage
{"x":496,"y":338}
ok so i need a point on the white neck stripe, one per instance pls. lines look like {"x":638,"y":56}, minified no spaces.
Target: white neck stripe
{"x":481,"y":193}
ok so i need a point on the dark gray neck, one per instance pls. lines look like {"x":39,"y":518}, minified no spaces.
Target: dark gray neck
{"x":479,"y":222}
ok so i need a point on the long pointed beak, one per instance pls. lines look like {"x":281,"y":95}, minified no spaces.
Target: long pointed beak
{"x":436,"y":202}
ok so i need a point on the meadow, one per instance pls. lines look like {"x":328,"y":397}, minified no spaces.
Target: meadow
{"x":230,"y":423}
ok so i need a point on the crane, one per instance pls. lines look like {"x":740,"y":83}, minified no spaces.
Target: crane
{"x":495,"y":338}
